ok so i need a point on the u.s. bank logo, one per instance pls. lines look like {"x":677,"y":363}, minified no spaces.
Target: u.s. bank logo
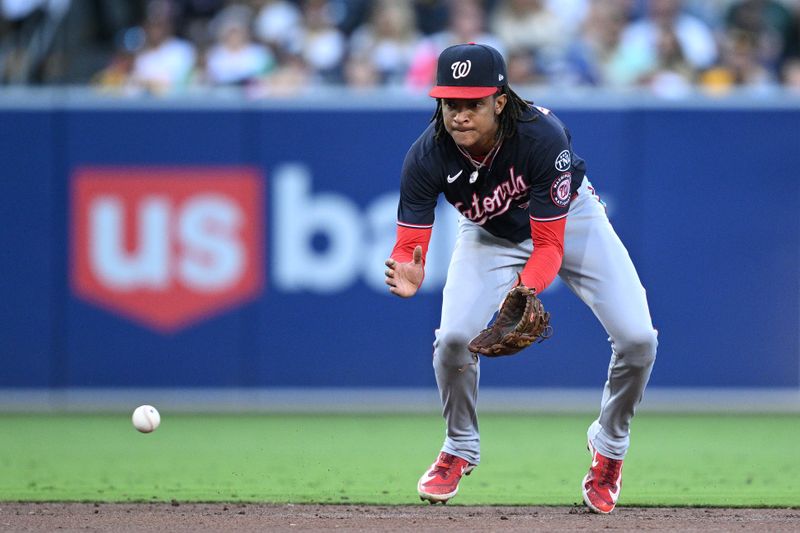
{"x":167,"y":247}
{"x":461,"y":68}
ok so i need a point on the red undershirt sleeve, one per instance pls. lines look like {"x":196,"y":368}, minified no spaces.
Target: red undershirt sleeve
{"x":409,"y":238}
{"x":548,"y":252}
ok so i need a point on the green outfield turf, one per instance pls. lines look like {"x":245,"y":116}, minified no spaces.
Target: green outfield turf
{"x":674,"y":460}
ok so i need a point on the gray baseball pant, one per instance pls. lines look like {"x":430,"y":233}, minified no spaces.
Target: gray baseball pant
{"x":597,"y":268}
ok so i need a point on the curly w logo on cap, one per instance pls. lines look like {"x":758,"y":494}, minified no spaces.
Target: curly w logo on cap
{"x":461,"y":68}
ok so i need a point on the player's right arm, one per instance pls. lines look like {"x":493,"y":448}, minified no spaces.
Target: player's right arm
{"x":405,"y":268}
{"x":404,"y":279}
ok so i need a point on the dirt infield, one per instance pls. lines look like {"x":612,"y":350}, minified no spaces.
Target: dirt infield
{"x":252,"y":517}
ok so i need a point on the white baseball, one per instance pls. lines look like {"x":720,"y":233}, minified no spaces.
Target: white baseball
{"x":146,"y":418}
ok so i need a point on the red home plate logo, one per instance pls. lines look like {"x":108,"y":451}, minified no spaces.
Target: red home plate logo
{"x":166,"y":247}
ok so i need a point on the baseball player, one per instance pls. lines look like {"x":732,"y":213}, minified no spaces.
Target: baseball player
{"x":528,"y":212}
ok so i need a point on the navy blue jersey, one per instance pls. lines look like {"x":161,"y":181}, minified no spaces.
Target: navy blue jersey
{"x":533,"y":176}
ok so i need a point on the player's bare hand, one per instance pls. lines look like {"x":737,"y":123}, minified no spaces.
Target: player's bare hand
{"x":404,"y":279}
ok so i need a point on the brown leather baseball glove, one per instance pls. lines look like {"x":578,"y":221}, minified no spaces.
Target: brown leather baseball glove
{"x":520,"y":322}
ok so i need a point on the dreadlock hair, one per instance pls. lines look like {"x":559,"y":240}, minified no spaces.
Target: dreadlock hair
{"x":513,"y":112}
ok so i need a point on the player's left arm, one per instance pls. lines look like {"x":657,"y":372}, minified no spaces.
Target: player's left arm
{"x":548,"y":253}
{"x":551,"y":193}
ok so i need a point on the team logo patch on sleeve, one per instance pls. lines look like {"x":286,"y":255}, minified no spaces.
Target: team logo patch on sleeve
{"x":563,"y":161}
{"x":560,"y":190}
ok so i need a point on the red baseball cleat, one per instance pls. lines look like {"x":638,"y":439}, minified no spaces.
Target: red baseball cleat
{"x":440,"y":482}
{"x":602,"y":484}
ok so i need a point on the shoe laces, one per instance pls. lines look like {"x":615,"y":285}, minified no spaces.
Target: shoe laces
{"x":444,"y":464}
{"x":609,"y":471}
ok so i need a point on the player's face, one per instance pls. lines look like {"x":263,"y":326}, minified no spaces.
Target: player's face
{"x":473,"y":123}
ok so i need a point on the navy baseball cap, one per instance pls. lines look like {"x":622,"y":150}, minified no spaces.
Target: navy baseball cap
{"x":469,"y":71}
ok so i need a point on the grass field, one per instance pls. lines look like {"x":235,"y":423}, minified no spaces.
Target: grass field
{"x":695,"y":460}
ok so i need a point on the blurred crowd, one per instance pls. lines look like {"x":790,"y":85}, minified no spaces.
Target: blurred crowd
{"x":286,"y":47}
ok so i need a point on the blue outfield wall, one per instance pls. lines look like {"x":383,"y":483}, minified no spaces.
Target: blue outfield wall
{"x":94,"y":294}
